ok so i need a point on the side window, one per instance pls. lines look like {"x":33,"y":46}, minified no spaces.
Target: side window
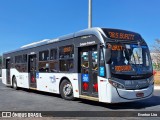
{"x":43,"y":65}
{"x":18,"y":59}
{"x":21,"y":63}
{"x":53,"y":61}
{"x":66,"y":56}
{"x":66,"y":52}
{"x":44,"y":55}
{"x":53,"y":54}
{"x":66,"y":65}
{"x":54,"y":66}
{"x":4,"y":63}
{"x":24,"y":58}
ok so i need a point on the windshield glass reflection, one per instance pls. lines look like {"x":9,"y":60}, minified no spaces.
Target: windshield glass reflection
{"x":130,"y":58}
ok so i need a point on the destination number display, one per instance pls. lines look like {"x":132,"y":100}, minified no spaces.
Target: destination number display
{"x":123,"y":68}
{"x":121,"y":34}
{"x":115,"y":47}
{"x":67,"y":49}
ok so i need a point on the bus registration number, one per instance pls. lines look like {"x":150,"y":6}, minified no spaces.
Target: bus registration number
{"x":140,"y":94}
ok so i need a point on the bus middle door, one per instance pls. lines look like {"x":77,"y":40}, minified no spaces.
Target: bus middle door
{"x":89,"y":71}
{"x":32,"y":71}
{"x":8,"y":66}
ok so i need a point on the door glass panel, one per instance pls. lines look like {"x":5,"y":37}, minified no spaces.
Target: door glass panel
{"x":8,"y":65}
{"x":85,"y":71}
{"x":84,"y":59}
{"x":94,"y":70}
{"x":32,"y":71}
{"x":89,"y":68}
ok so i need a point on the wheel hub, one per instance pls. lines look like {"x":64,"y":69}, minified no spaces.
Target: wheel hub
{"x":67,"y":89}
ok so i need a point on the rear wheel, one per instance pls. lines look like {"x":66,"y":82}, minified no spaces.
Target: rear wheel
{"x":66,"y":90}
{"x":14,"y":83}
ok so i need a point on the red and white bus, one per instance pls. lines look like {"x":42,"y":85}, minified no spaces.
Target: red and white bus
{"x":101,"y":64}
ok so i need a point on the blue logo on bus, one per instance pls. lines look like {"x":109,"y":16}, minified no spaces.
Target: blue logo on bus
{"x":85,"y":77}
{"x":37,"y":75}
{"x":52,"y":79}
{"x":101,"y":71}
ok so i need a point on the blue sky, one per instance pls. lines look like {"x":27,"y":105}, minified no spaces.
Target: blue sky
{"x":26,"y":21}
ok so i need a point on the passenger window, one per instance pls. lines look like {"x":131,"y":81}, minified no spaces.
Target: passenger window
{"x":54,"y":66}
{"x":66,"y":56}
{"x":53,"y":54}
{"x":20,"y":63}
{"x":43,"y":65}
{"x":44,"y":55}
{"x":66,"y":65}
{"x":66,"y":52}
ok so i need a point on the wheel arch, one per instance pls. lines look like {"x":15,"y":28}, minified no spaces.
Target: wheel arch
{"x":63,"y":78}
{"x":13,"y":76}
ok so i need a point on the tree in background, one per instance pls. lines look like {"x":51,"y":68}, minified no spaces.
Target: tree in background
{"x":155,"y":54}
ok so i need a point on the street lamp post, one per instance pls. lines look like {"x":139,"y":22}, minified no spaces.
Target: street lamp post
{"x":89,"y":13}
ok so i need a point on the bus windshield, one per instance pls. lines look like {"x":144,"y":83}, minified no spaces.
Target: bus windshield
{"x":131,"y":59}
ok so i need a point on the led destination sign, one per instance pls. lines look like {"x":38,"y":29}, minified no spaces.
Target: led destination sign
{"x":123,"y":68}
{"x":117,"y":47}
{"x":67,"y":49}
{"x":121,"y":34}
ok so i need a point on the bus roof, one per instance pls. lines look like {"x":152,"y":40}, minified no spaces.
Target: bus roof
{"x":95,"y":31}
{"x":98,"y":32}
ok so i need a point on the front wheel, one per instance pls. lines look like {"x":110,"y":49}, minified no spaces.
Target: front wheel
{"x":66,"y":90}
{"x":14,"y":83}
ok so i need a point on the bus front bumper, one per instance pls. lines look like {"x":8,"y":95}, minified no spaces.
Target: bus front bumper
{"x":122,"y":95}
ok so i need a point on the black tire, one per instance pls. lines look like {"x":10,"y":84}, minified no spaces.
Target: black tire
{"x":66,"y":90}
{"x":14,"y":83}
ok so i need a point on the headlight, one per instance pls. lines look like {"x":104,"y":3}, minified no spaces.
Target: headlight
{"x":116,"y":84}
{"x":150,"y":80}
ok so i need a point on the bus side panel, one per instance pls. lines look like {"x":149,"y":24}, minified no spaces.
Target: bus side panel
{"x":21,"y":78}
{"x":104,"y":90}
{"x":74,"y":78}
{"x":108,"y":93}
{"x":49,"y":82}
{"x":15,"y":73}
{"x":4,"y":79}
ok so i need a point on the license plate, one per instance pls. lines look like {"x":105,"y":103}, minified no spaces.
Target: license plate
{"x":140,"y":94}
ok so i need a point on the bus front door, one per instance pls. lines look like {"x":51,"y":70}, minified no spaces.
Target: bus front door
{"x":89,"y":71}
{"x":32,"y":71}
{"x":8,"y":66}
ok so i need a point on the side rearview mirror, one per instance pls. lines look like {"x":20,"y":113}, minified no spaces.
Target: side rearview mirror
{"x":108,"y":55}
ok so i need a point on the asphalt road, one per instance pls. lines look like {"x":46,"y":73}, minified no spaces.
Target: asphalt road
{"x":29,"y":100}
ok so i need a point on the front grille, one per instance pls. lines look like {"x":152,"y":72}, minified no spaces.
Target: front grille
{"x":135,"y":88}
